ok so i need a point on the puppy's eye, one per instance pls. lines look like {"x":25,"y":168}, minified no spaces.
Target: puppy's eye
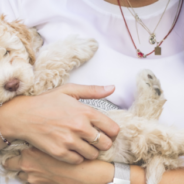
{"x":7,"y":52}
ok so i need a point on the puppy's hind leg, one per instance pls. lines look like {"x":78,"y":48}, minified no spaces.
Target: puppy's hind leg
{"x":150,"y":99}
{"x":154,"y":170}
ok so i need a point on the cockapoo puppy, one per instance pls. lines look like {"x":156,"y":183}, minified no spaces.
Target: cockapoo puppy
{"x":30,"y":69}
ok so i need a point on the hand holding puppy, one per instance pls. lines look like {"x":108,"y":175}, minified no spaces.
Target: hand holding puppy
{"x":56,"y":123}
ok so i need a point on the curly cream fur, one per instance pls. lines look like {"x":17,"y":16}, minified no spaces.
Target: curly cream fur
{"x":141,"y":140}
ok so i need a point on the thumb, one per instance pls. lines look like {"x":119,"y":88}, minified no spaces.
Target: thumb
{"x":87,"y":92}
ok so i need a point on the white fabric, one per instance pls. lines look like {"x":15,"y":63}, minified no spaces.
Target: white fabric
{"x":115,"y":62}
{"x":120,"y":181}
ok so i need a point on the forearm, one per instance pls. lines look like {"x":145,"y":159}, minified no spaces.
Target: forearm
{"x":89,"y":172}
{"x":5,"y":129}
{"x":99,"y":172}
{"x":2,"y":129}
{"x":169,"y":177}
{"x":10,"y":119}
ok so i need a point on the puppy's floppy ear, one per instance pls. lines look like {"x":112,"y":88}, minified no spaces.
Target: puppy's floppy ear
{"x":37,"y":40}
{"x":25,"y":36}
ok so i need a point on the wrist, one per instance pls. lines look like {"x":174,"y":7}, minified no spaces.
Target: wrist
{"x":5,"y":129}
{"x":5,"y":122}
{"x":91,"y":172}
{"x":11,"y":118}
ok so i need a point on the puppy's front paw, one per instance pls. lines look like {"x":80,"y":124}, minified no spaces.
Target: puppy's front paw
{"x":148,"y":84}
{"x":86,"y":48}
{"x":91,"y":45}
{"x":83,"y":49}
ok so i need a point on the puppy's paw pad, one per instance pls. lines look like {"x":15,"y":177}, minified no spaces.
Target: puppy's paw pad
{"x":148,"y":81}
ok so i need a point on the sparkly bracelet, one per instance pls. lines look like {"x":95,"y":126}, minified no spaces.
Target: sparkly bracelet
{"x":5,"y":140}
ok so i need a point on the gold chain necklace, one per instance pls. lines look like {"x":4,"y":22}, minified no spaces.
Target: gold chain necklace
{"x":152,"y":39}
{"x":157,"y":49}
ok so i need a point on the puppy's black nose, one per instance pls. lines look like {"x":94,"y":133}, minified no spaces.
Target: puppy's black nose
{"x":12,"y":85}
{"x":158,"y":91}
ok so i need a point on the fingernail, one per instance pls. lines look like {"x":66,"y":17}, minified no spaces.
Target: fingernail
{"x":109,"y":88}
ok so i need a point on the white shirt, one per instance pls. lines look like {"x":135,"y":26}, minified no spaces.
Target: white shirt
{"x":115,"y":62}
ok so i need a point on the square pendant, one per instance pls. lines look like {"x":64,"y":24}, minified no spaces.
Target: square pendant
{"x":157,"y":50}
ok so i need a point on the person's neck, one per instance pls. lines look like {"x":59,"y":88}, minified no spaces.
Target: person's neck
{"x":134,"y":3}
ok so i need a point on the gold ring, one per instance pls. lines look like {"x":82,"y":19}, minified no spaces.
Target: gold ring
{"x":96,"y":140}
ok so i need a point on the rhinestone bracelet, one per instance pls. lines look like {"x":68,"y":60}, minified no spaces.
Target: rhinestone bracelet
{"x":5,"y":140}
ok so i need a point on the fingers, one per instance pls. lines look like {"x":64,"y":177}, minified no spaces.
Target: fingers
{"x":85,"y":149}
{"x":104,"y":142}
{"x":13,"y":164}
{"x":33,"y":178}
{"x":70,"y":157}
{"x":87,"y":92}
{"x":104,"y":123}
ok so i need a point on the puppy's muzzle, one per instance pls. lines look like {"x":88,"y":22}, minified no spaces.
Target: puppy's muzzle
{"x":12,"y":85}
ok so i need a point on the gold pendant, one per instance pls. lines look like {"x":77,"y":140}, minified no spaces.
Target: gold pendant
{"x":152,"y":39}
{"x":158,"y":50}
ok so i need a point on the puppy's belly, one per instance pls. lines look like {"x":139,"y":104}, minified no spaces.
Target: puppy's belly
{"x":119,"y":152}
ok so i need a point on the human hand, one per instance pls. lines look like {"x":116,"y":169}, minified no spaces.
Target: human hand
{"x":58,"y":124}
{"x":37,"y":167}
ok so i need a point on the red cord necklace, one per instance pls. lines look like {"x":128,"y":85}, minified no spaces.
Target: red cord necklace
{"x":157,"y":49}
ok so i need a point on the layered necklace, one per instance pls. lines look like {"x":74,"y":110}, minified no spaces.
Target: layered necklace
{"x":152,"y":39}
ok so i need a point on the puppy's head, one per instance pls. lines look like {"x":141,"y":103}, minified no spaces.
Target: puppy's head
{"x":16,"y":59}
